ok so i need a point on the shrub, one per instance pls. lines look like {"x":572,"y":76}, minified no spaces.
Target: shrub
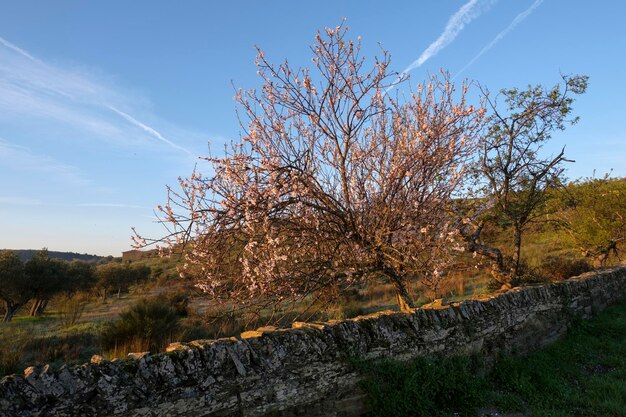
{"x":148,"y":325}
{"x":71,"y":308}
{"x":194,"y":330}
{"x":558,"y":268}
{"x":178,"y":301}
{"x":526,"y":275}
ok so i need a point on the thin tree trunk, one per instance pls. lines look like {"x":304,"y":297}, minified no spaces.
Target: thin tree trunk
{"x":517,"y":242}
{"x":41,"y":307}
{"x":35,"y":307}
{"x":10,"y":310}
{"x":474,"y":244}
{"x":404,"y":299}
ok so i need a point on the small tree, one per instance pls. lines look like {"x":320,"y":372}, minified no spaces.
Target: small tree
{"x":79,"y":279}
{"x":14,"y":289}
{"x":333,"y":182}
{"x":517,"y":178}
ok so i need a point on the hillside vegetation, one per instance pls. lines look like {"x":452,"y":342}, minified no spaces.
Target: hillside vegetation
{"x":26,"y":254}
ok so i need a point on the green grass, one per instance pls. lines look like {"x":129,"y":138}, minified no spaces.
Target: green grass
{"x":583,"y":374}
{"x":424,"y":387}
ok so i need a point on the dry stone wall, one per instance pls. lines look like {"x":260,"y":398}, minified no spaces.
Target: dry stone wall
{"x":305,"y":370}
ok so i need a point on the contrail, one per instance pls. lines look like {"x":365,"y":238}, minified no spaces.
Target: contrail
{"x":147,"y":129}
{"x":456,"y":23}
{"x":518,"y":19}
{"x":468,"y":12}
{"x":19,"y":50}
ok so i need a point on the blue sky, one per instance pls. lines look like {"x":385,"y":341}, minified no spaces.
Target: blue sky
{"x":104,"y":103}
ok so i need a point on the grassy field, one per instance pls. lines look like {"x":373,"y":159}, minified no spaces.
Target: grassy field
{"x":582,"y":375}
{"x":32,"y":341}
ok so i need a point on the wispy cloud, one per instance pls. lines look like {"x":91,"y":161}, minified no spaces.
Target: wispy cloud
{"x":20,"y":201}
{"x":456,"y":23}
{"x":16,"y":158}
{"x":68,"y":98}
{"x":518,"y":19}
{"x":114,"y":205}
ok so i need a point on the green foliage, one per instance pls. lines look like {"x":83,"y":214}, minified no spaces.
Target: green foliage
{"x":80,"y":276}
{"x":596,"y":217}
{"x":148,"y":325}
{"x":195,"y":329}
{"x":119,"y":276}
{"x":63,"y":347}
{"x":177,"y":300}
{"x":427,"y":387}
{"x":14,"y":289}
{"x":46,"y":278}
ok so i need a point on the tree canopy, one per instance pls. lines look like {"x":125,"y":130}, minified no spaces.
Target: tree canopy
{"x":14,"y":290}
{"x":516,"y":176}
{"x":333,"y":182}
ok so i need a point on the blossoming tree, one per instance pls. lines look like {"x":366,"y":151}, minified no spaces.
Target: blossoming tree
{"x":332,"y":183}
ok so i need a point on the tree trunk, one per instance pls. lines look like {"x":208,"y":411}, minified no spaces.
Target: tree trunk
{"x":33,"y":307}
{"x":41,"y":307}
{"x":517,"y":242}
{"x":474,"y":244}
{"x":405,"y":302}
{"x":10,"y":310}
{"x":38,"y":306}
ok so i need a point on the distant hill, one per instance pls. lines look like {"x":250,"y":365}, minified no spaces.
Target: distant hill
{"x":26,"y":254}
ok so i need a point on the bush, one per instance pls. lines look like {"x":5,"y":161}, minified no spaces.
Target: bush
{"x":195,"y":329}
{"x":71,"y":308}
{"x":148,"y":325}
{"x":178,"y":301}
{"x":527,"y":275}
{"x":558,"y":268}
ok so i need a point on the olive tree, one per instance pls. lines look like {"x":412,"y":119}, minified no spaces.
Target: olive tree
{"x":13,"y":284}
{"x":118,"y":277}
{"x":46,"y":278}
{"x":333,"y":181}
